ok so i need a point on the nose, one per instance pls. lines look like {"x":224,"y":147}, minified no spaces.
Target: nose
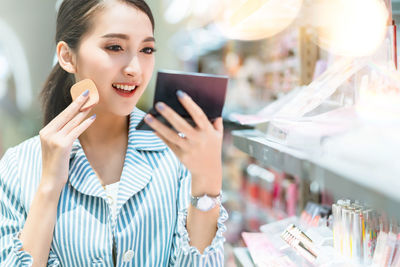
{"x":133,"y":68}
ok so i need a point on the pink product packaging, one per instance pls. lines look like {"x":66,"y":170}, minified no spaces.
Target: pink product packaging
{"x":263,"y":252}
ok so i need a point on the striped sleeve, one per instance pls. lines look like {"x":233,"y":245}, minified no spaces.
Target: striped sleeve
{"x":11,"y":214}
{"x":182,"y":253}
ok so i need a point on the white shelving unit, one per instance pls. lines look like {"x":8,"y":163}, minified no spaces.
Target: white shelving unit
{"x":374,"y":185}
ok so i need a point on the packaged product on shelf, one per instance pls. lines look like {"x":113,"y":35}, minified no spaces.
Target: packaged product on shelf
{"x":263,"y":252}
{"x":270,"y":195}
{"x":315,"y":215}
{"x":359,"y":237}
{"x":309,"y":246}
{"x":300,"y":242}
{"x":308,"y":133}
{"x":305,"y":99}
{"x":364,"y":237}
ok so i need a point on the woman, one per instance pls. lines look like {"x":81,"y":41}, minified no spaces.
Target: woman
{"x":115,"y":196}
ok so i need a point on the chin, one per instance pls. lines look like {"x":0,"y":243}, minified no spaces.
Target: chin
{"x":124,"y":112}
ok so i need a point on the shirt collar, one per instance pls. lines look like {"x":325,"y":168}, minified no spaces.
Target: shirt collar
{"x":139,"y":139}
{"x":136,"y":173}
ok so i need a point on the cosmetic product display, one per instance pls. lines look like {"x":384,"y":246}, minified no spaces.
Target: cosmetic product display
{"x":363,"y":236}
{"x":300,"y":242}
{"x":263,"y":252}
{"x":349,"y":234}
{"x":275,"y":194}
{"x":308,"y":246}
{"x":315,"y":215}
{"x":308,"y":133}
{"x":313,"y":136}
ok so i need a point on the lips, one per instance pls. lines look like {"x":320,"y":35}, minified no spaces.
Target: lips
{"x":124,"y":87}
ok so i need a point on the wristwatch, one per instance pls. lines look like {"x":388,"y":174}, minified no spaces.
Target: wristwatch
{"x":205,"y":202}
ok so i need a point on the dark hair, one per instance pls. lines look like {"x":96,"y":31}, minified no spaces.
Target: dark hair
{"x":73,"y":21}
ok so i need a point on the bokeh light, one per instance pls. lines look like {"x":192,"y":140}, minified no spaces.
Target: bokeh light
{"x":349,"y":27}
{"x":257,"y":19}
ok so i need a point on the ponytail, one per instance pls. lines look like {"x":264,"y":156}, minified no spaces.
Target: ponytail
{"x":55,"y":94}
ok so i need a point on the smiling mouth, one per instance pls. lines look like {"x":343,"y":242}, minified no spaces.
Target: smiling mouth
{"x":124,"y":88}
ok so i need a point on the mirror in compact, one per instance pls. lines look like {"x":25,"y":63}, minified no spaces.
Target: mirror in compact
{"x":207,"y":90}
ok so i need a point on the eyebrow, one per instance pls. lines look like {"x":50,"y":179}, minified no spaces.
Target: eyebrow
{"x":126,"y":37}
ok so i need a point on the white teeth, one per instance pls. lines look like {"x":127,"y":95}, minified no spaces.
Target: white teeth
{"x":124,"y":87}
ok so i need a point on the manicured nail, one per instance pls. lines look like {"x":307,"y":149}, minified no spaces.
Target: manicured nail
{"x":93,"y":117}
{"x":180,"y":94}
{"x":86,"y":93}
{"x":160,"y":106}
{"x":148,"y":118}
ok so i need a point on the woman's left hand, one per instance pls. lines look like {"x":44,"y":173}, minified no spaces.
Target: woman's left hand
{"x":200,"y":148}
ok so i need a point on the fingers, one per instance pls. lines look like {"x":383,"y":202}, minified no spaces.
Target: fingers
{"x":172,"y":146}
{"x":194,"y":110}
{"x":78,"y":130}
{"x":165,"y":132}
{"x":218,"y":125}
{"x":175,"y":120}
{"x":74,"y":122}
{"x":67,"y":114}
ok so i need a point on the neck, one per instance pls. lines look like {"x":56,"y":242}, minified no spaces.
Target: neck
{"x":106,"y":129}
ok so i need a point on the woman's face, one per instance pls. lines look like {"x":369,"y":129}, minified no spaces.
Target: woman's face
{"x":117,"y":54}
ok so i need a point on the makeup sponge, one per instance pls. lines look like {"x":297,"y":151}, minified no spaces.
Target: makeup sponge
{"x":80,"y":87}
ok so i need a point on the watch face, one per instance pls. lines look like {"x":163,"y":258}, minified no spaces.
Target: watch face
{"x":205,"y":203}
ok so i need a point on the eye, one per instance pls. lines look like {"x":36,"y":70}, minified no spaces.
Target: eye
{"x":114,"y":48}
{"x":148,"y":50}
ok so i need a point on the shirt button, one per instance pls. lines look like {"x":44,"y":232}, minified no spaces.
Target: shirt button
{"x":128,"y":255}
{"x":110,"y":200}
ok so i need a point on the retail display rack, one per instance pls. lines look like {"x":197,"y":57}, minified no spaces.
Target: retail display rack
{"x":374,"y":185}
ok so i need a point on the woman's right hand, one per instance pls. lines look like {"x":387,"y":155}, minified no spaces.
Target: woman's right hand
{"x":56,"y":140}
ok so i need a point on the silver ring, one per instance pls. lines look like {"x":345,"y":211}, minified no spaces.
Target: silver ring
{"x":181,"y":135}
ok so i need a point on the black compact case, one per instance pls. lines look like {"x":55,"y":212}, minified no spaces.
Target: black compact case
{"x":208,"y":91}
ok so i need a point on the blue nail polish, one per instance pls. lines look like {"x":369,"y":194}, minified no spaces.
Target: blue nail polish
{"x":180,"y":93}
{"x":148,"y":119}
{"x":86,"y":93}
{"x":93,"y":117}
{"x":160,"y":106}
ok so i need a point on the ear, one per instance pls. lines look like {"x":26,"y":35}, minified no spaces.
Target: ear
{"x":66,"y":57}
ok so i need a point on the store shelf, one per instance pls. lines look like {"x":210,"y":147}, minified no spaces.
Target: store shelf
{"x":375,"y":186}
{"x":282,"y":65}
{"x":242,"y":257}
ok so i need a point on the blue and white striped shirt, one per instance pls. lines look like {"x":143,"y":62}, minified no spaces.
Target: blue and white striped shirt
{"x":150,"y":229}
